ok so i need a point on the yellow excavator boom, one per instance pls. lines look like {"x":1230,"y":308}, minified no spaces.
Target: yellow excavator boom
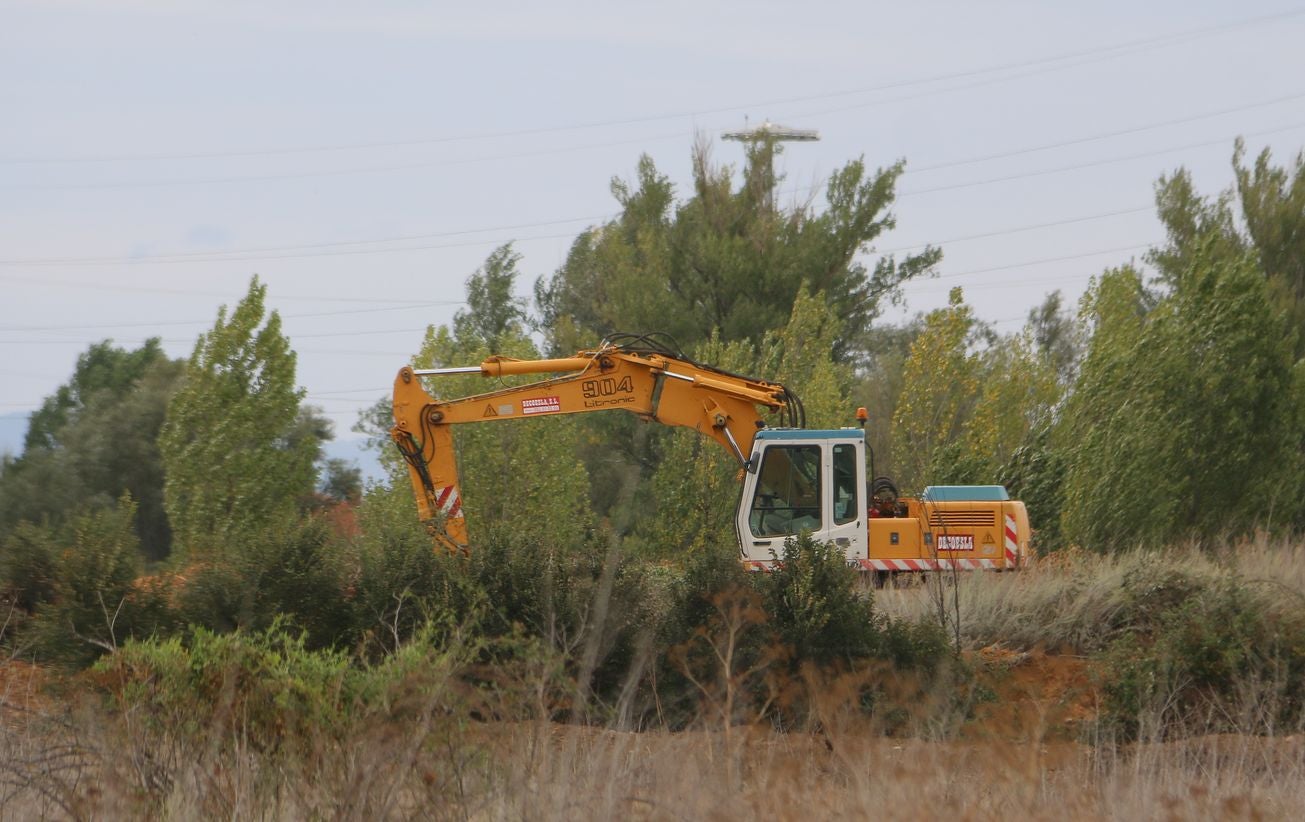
{"x":654,"y":385}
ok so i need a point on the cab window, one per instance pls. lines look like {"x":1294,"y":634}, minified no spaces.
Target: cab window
{"x":847,"y":507}
{"x":787,"y":499}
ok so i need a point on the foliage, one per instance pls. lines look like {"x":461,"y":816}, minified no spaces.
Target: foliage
{"x":878,"y":386}
{"x":1212,"y":656}
{"x":813,"y":606}
{"x":285,"y":573}
{"x":727,"y":260}
{"x":399,"y":583}
{"x":341,"y":481}
{"x":968,"y":401}
{"x":95,"y":439}
{"x":939,"y":390}
{"x":1055,"y":337}
{"x":267,"y":686}
{"x":1272,"y":211}
{"x":28,"y":565}
{"x":1035,"y":475}
{"x":84,"y":581}
{"x":237,"y":448}
{"x":1180,"y":423}
{"x":494,"y":312}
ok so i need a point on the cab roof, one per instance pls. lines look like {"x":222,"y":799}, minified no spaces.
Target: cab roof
{"x":965,"y":493}
{"x":810,"y":434}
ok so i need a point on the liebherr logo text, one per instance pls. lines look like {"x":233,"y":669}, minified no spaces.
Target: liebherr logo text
{"x":607,"y":391}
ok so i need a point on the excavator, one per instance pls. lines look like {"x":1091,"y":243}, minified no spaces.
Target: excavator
{"x":794,"y":479}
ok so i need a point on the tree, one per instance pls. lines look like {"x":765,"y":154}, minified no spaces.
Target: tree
{"x":970,"y":399}
{"x":95,"y":439}
{"x":1055,"y":336}
{"x":1183,"y":420}
{"x":521,"y":475}
{"x":237,"y":449}
{"x":493,"y":311}
{"x":341,"y":481}
{"x":728,"y":260}
{"x":101,"y":368}
{"x":1272,"y":211}
{"x":939,"y":391}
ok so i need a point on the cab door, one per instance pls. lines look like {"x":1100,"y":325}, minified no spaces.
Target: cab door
{"x":847,"y":503}
{"x":810,"y":481}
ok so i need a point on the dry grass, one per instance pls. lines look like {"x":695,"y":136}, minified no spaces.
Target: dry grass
{"x":1071,"y":601}
{"x":1037,"y":750}
{"x":538,"y":770}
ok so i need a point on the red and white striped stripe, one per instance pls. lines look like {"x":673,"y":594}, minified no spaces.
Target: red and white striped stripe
{"x":901,"y":564}
{"x":448,"y":502}
{"x":927,"y":564}
{"x":1012,"y":546}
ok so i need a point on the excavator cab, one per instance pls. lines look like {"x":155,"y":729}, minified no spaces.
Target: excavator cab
{"x":803,"y":481}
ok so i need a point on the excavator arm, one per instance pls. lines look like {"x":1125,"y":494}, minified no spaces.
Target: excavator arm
{"x":655,"y":385}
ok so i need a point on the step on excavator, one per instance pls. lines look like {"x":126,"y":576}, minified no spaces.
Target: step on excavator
{"x":795,"y":479}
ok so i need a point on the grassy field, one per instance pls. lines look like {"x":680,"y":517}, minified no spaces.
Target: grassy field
{"x":1037,"y":738}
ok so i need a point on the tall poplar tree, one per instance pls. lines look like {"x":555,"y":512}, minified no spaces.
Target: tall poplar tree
{"x":232,"y":451}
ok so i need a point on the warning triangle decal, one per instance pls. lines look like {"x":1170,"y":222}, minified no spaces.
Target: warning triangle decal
{"x":490,"y":412}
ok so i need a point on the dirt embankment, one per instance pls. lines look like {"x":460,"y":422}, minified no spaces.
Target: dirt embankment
{"x":1034,"y":695}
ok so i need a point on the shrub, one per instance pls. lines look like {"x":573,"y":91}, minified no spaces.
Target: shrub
{"x":814,"y":607}
{"x":399,"y":581}
{"x":1204,"y":658}
{"x":27,"y":565}
{"x":95,"y":599}
{"x":286,"y":572}
{"x":265,"y":686}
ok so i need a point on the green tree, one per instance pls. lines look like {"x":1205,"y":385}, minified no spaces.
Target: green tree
{"x":970,"y":399}
{"x":1182,"y":421}
{"x":91,"y":597}
{"x":726,"y":259}
{"x":95,"y":439}
{"x":1270,"y":201}
{"x":939,"y":391}
{"x":237,"y":449}
{"x":341,"y":481}
{"x":1055,"y":336}
{"x":521,"y":476}
{"x":493,"y":311}
{"x":878,"y":384}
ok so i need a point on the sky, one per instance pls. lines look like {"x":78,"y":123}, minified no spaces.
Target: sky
{"x":362,"y":159}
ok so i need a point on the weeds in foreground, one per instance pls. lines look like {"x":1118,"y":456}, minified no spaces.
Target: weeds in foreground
{"x":1198,"y":712}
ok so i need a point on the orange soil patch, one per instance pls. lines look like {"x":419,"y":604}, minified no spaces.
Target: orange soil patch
{"x":1037,"y":695}
{"x":21,"y":690}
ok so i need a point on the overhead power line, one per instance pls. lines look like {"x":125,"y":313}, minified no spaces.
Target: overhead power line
{"x":330,"y":249}
{"x":244,"y":253}
{"x":329,"y":334}
{"x":236,"y":253}
{"x":1096,"y":163}
{"x":1105,"y":135}
{"x":1121,"y":47}
{"x":338,"y":172}
{"x":1003,"y":232}
{"x":83,"y":285}
{"x":209,"y":320}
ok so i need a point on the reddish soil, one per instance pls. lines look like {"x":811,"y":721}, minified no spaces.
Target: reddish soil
{"x":1038,"y":695}
{"x":22,"y":691}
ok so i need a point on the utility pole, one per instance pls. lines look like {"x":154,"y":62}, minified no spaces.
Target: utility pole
{"x":766,"y":136}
